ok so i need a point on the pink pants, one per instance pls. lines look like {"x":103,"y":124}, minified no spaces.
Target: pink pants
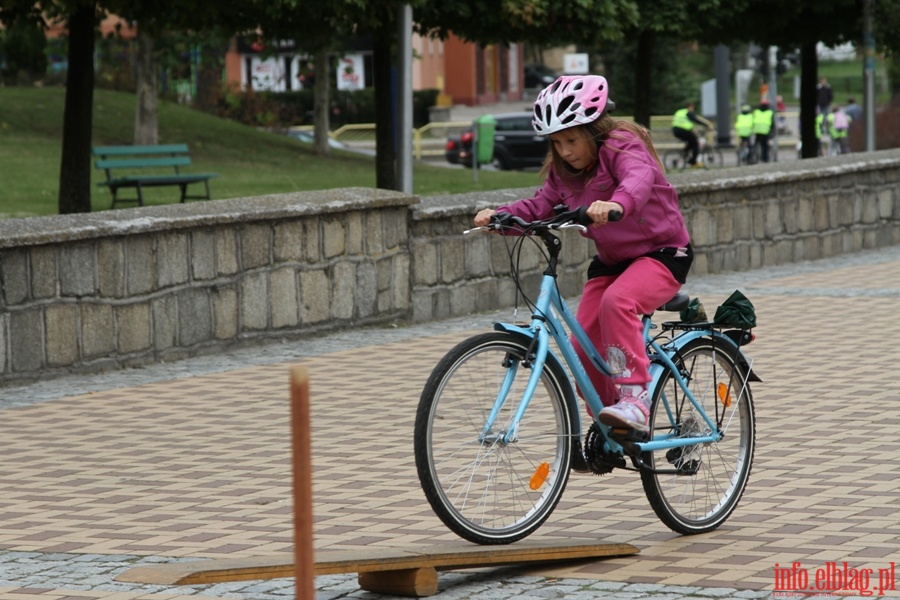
{"x":610,"y":313}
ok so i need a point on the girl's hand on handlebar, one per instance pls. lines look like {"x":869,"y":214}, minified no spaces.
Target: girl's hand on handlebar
{"x":483,"y":218}
{"x":599,"y":212}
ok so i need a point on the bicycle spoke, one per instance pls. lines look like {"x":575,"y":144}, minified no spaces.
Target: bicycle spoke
{"x":714,"y":474}
{"x":481,"y":486}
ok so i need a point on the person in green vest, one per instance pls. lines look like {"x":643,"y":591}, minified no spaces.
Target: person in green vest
{"x":683,"y":129}
{"x":820,"y":120}
{"x":743,"y":128}
{"x":838,"y":128}
{"x":763,"y":123}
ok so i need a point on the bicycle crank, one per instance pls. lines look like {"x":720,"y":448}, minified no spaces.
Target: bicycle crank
{"x":599,"y":461}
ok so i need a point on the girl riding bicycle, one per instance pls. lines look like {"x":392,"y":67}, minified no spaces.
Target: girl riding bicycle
{"x":610,"y":165}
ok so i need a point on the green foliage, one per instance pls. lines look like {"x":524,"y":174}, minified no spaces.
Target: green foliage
{"x":541,"y":22}
{"x":23,"y":56}
{"x":285,"y":109}
{"x":678,"y":70}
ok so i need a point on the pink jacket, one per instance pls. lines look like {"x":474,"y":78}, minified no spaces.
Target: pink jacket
{"x":628,"y":174}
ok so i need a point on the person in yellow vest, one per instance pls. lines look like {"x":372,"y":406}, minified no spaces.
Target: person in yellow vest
{"x":820,"y":119}
{"x":743,"y":128}
{"x":763,"y":123}
{"x":683,"y":129}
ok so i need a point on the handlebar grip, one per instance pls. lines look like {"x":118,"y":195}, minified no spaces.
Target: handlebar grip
{"x":583,"y":219}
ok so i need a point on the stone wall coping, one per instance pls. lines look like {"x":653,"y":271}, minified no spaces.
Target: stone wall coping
{"x":765,"y":174}
{"x":35,"y":231}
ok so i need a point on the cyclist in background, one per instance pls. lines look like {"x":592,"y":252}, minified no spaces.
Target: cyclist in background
{"x":743,"y":127}
{"x":610,"y":165}
{"x":683,"y":128}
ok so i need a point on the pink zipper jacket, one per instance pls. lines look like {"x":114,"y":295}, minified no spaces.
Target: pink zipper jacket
{"x":628,"y":174}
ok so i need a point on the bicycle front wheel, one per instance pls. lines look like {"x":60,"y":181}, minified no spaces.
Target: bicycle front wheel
{"x":674,"y":160}
{"x":710,"y":477}
{"x":497,"y":484}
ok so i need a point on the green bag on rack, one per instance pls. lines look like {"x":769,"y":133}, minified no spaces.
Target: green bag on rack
{"x":736,"y":311}
{"x":694,"y":313}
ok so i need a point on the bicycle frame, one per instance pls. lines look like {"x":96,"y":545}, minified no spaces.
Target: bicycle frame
{"x":547,"y":325}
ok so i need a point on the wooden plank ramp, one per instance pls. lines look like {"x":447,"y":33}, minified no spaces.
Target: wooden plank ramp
{"x":396,"y":571}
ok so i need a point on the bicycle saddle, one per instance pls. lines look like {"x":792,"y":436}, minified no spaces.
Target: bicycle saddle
{"x":679,"y":302}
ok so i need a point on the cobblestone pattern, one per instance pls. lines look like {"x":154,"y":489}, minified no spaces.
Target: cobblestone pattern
{"x":117,"y":460}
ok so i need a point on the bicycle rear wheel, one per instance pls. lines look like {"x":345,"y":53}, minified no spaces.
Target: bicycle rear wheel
{"x":713,"y":475}
{"x":712,"y":157}
{"x":486,"y":489}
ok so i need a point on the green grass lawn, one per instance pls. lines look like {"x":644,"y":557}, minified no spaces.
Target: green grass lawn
{"x":249,"y":162}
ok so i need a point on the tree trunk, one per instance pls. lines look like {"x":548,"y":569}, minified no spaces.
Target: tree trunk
{"x":146,"y":123}
{"x":385,"y":152}
{"x":322,"y":103}
{"x":75,"y":164}
{"x":809,"y":67}
{"x":643,"y":77}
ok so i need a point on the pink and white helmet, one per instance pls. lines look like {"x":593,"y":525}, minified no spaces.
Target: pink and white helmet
{"x":569,"y":101}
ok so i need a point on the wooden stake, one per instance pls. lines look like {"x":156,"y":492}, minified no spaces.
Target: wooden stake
{"x":302,"y":471}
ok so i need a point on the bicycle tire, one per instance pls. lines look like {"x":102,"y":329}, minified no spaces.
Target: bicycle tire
{"x":714,"y":158}
{"x":479,"y":487}
{"x":674,"y":160}
{"x":702,"y":501}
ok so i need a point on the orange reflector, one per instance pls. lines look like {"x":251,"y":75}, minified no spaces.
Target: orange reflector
{"x":724,"y":395}
{"x":539,"y":477}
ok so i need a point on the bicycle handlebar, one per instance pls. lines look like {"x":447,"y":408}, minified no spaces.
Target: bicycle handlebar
{"x":579,"y":216}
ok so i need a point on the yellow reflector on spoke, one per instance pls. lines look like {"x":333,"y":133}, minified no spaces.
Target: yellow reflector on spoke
{"x":724,"y":395}
{"x":540,"y":476}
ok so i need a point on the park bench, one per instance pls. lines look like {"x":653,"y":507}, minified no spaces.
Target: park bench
{"x":128,"y":167}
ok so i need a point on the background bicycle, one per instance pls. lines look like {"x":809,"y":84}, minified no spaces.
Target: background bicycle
{"x":709,"y":155}
{"x":498,"y":427}
{"x":747,"y":152}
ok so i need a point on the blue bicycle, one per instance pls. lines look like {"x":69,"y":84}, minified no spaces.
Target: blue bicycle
{"x":498,"y":426}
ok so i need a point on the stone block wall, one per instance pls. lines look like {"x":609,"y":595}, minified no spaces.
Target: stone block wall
{"x":739,"y":219}
{"x":129,"y":287}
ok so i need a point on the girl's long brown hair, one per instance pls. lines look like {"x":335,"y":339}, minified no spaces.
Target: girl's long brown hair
{"x":594,"y":134}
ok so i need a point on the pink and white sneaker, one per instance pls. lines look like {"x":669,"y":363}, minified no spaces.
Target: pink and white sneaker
{"x":630,"y":411}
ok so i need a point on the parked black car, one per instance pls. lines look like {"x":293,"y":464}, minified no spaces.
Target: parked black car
{"x":538,"y":76}
{"x":516,"y":146}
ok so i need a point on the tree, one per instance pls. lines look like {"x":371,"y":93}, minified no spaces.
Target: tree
{"x":78,"y":117}
{"x":146,"y":123}
{"x":23,"y":46}
{"x":81,"y":17}
{"x":801,"y":23}
{"x":670,"y":20}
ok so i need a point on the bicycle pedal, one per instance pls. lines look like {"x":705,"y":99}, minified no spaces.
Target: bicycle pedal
{"x":690,"y":467}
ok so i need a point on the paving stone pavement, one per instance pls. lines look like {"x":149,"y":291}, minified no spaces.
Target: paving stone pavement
{"x":190,"y":460}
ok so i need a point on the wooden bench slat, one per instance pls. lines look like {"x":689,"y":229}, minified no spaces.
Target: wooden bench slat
{"x":127,"y":150}
{"x":142,"y":163}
